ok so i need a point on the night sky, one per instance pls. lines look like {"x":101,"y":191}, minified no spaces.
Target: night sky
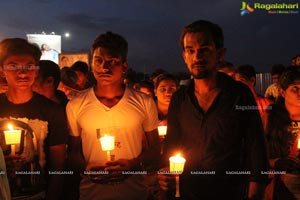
{"x":152,"y":28}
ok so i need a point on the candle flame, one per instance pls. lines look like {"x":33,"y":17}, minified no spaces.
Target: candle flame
{"x":10,"y":127}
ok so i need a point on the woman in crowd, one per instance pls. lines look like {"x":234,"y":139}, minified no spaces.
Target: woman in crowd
{"x":166,"y":85}
{"x":283,"y":134}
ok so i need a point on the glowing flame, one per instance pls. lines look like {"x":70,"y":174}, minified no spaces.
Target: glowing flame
{"x":10,"y":127}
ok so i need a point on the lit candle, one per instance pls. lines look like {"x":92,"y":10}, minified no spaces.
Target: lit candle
{"x":162,"y":130}
{"x":12,"y":137}
{"x":298,"y":146}
{"x":107,"y":144}
{"x":176,"y":166}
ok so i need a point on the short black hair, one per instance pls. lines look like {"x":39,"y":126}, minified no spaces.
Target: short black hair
{"x":165,"y":76}
{"x":157,"y":72}
{"x":246,"y":71}
{"x":277,"y":69}
{"x":48,"y":68}
{"x":68,"y":77}
{"x":203,"y":26}
{"x":225,"y":64}
{"x":18,"y":46}
{"x":80,"y":66}
{"x":113,"y":42}
{"x":288,"y":77}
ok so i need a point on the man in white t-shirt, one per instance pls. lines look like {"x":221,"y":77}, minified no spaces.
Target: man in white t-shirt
{"x":112,"y":109}
{"x":273,"y":90}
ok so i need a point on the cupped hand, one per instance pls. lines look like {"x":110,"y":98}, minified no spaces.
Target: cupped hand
{"x":166,"y":180}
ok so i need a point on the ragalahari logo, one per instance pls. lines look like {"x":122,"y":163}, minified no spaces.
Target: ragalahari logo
{"x":246,"y":8}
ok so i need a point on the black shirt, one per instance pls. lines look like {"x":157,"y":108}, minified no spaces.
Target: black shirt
{"x":43,"y":124}
{"x":227,"y":138}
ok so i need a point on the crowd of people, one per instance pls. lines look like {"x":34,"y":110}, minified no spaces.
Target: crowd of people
{"x":238,"y":144}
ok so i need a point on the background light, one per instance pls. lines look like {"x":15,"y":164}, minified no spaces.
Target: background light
{"x":67,"y":35}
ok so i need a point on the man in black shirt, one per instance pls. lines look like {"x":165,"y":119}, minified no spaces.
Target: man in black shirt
{"x":41,"y":151}
{"x":214,"y":124}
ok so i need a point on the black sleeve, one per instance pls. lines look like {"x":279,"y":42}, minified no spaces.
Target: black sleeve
{"x":58,"y":126}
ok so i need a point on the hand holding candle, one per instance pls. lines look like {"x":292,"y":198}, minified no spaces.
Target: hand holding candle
{"x":12,"y":137}
{"x":107,"y":144}
{"x":176,"y":166}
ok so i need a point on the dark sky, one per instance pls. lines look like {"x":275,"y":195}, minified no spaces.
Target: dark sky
{"x":152,"y":28}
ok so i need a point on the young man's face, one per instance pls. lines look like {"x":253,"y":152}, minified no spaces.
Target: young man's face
{"x":108,"y":69}
{"x":275,"y":78}
{"x":20,"y":71}
{"x":201,"y":55}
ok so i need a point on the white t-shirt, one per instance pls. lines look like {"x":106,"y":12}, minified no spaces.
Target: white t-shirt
{"x":134,"y":114}
{"x":272,"y":91}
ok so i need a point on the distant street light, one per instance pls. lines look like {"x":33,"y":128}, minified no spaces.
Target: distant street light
{"x":67,"y":35}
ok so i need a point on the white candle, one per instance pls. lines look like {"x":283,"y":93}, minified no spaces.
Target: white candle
{"x":162,"y":130}
{"x":12,"y":137}
{"x":176,"y":166}
{"x":107,"y":144}
{"x":298,"y":146}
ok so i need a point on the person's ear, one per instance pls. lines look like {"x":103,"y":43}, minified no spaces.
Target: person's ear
{"x":221,"y":53}
{"x":282,"y":92}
